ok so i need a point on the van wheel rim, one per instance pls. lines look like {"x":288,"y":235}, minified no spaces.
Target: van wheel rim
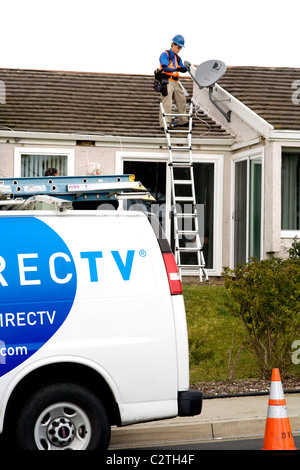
{"x":62,"y":426}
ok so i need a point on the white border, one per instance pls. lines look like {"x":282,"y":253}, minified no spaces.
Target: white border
{"x":289,"y":234}
{"x":18,"y":151}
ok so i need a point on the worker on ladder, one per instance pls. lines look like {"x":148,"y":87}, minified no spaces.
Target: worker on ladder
{"x":171,"y":64}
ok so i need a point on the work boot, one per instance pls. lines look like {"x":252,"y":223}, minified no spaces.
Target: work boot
{"x":170,"y":127}
{"x":186,"y":124}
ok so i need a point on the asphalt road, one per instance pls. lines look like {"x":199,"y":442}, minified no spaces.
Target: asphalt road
{"x":216,"y":444}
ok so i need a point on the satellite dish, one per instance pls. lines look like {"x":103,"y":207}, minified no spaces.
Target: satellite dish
{"x":209,"y":72}
{"x":206,"y":75}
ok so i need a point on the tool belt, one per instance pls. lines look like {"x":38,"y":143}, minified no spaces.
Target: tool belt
{"x":170,"y":77}
{"x":161,"y":81}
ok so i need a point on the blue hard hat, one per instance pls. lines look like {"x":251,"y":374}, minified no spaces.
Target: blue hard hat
{"x":179,"y":40}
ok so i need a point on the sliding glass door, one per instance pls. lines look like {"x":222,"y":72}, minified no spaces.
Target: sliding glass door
{"x":247,"y":209}
{"x":255,"y":200}
{"x":240,"y":212}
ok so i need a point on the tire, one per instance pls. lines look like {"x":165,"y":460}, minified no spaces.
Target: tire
{"x":63,"y":416}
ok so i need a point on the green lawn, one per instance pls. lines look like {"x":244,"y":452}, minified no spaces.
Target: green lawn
{"x":215,"y":337}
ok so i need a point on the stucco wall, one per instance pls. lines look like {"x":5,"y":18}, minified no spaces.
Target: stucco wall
{"x":272,"y":209}
{"x":104,"y":156}
{"x":6,"y":160}
{"x":83,"y":155}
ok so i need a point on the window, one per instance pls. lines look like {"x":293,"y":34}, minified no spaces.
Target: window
{"x":36,"y":165}
{"x":290,"y":191}
{"x":33,"y":162}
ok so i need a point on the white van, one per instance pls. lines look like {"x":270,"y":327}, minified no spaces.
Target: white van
{"x":92,"y":327}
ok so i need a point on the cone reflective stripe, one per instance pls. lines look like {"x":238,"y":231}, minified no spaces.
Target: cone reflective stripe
{"x":276,"y":392}
{"x":278,"y":434}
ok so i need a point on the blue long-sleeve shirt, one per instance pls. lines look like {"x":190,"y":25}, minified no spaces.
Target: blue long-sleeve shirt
{"x":164,"y":61}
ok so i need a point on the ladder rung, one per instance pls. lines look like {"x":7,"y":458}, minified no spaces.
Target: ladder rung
{"x":182,"y":182}
{"x":176,"y":114}
{"x":179,"y":131}
{"x":179,"y":149}
{"x":184,"y":198}
{"x":187,"y":216}
{"x":181,"y":164}
{"x":198,"y":266}
{"x":187,"y":232}
{"x":188,"y":249}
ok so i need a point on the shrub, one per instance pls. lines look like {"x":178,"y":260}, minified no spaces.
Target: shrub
{"x":294,"y":250}
{"x":266,"y":296}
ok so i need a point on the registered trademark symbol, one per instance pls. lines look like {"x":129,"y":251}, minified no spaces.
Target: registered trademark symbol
{"x":142,"y":253}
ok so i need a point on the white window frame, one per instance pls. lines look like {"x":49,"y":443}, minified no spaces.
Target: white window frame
{"x":218,"y":161}
{"x":248,"y":155}
{"x":19,"y":151}
{"x":289,"y":234}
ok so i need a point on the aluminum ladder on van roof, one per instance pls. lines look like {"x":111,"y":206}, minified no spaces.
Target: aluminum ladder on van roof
{"x":188,"y":248}
{"x":61,"y":191}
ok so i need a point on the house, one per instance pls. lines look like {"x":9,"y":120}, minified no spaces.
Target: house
{"x":246,"y":158}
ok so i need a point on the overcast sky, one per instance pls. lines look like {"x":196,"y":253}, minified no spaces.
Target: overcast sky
{"x":127,"y":36}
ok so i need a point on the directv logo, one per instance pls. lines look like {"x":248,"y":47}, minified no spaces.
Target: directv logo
{"x":2,"y":92}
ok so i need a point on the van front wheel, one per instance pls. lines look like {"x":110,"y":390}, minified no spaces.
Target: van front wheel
{"x":63,"y":417}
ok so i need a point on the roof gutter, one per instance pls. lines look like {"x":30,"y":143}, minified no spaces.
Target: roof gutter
{"x":29,"y":137}
{"x":285,"y":136}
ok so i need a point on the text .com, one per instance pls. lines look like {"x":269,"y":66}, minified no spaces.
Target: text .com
{"x":11,"y":351}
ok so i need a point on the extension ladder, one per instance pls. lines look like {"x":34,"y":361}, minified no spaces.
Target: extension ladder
{"x":20,"y":193}
{"x":187,"y":240}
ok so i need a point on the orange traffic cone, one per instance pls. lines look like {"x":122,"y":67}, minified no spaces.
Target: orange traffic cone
{"x":278,"y":434}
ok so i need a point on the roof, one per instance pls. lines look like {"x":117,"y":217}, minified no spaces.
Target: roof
{"x":268,"y":92}
{"x":88,"y":103}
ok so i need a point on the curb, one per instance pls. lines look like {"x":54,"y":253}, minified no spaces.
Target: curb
{"x":122,"y":438}
{"x":236,"y":418}
{"x":126,"y":438}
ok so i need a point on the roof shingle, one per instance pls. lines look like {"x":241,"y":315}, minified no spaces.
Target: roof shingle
{"x":267,"y":91}
{"x":88,"y":103}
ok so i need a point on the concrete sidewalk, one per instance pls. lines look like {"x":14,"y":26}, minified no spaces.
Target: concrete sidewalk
{"x":239,"y":417}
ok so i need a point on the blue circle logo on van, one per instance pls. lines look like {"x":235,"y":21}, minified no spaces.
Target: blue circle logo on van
{"x":38,"y":285}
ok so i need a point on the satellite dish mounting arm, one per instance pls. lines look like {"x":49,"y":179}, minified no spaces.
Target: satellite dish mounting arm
{"x":227,"y":114}
{"x":206,"y":76}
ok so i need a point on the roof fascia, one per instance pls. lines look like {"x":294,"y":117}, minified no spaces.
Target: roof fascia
{"x":251,"y":118}
{"x":10,"y":136}
{"x":285,"y":136}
